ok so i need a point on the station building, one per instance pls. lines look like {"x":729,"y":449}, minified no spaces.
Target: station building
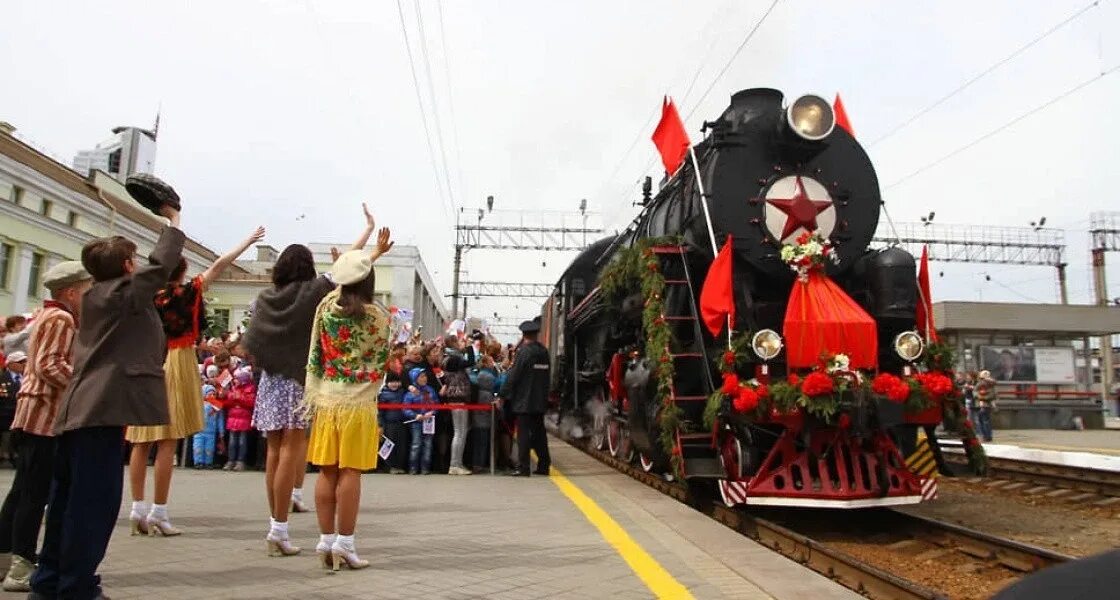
{"x":1041,"y":355}
{"x":48,"y":211}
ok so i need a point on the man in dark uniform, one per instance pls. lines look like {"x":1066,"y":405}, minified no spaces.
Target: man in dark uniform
{"x":526,"y":391}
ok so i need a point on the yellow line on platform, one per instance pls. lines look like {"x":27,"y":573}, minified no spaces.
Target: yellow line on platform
{"x":656,"y":578}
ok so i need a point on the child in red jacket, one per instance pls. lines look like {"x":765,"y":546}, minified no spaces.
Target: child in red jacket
{"x":239,"y":416}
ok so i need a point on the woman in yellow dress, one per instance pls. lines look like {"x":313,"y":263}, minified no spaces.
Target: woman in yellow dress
{"x":180,"y":307}
{"x":345,"y":368}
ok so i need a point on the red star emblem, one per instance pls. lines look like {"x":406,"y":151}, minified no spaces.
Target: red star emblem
{"x":800,"y":210}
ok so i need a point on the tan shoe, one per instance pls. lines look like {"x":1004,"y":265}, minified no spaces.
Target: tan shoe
{"x":18,"y":578}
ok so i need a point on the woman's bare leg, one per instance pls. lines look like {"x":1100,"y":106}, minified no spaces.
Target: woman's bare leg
{"x":138,"y":469}
{"x":165,"y":454}
{"x":348,"y":496}
{"x":272,"y":462}
{"x":326,"y":499}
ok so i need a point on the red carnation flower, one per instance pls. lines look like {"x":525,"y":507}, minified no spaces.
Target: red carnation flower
{"x":804,"y":238}
{"x":730,"y":384}
{"x":817,"y":384}
{"x":762,"y":391}
{"x":747,"y":400}
{"x":844,"y":421}
{"x":883,"y":383}
{"x":729,"y":358}
{"x":899,"y":392}
{"x":793,"y":379}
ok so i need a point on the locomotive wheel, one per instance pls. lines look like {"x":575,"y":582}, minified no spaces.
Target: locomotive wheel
{"x":618,"y":441}
{"x":599,"y":423}
{"x":646,"y":463}
{"x":731,"y":455}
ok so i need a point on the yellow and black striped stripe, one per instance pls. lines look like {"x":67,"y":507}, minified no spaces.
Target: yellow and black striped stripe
{"x":921,"y":461}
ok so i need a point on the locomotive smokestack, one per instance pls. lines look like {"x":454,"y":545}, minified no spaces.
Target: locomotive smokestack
{"x":748,"y":104}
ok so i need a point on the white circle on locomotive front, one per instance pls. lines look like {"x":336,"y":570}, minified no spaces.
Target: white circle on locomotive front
{"x":786,"y":188}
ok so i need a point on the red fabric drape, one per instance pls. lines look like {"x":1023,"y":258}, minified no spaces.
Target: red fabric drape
{"x":822,"y":319}
{"x":842,"y":116}
{"x":615,"y":378}
{"x":670,"y":137}
{"x":717,"y":302}
{"x":924,"y":314}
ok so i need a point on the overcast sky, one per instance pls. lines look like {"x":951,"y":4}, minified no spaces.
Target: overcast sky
{"x":276,"y":109}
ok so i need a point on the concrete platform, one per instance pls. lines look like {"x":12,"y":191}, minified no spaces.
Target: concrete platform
{"x":1097,"y":441}
{"x":457,"y":537}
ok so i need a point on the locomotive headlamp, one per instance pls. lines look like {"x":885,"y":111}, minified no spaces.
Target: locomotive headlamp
{"x":908,"y":345}
{"x":766,"y":344}
{"x":811,"y":117}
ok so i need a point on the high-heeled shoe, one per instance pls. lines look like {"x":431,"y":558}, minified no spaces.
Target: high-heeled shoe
{"x":138,"y":524}
{"x":278,"y":546}
{"x":347,"y":555}
{"x":164,"y":528}
{"x":298,"y":506}
{"x":323,"y":552}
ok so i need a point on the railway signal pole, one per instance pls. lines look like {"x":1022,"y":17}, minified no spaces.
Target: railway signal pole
{"x":516,"y":230}
{"x":1104,"y":232}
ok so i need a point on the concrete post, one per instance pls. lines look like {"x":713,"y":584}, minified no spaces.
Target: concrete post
{"x":1100,"y":287}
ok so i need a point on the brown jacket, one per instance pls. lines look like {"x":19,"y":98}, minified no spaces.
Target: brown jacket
{"x":119,"y":351}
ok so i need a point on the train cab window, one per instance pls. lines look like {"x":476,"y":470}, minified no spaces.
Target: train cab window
{"x":579,"y":290}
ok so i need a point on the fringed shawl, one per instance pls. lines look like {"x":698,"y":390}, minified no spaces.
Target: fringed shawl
{"x":348,"y":356}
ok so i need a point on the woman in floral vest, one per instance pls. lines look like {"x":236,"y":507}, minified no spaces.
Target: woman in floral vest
{"x":349,"y":352}
{"x":985,"y":404}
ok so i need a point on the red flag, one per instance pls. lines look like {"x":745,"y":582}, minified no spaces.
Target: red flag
{"x":842,"y":116}
{"x":670,"y":137}
{"x":717,"y":302}
{"x":924,"y":314}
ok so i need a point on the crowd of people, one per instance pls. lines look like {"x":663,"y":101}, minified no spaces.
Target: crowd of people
{"x":319,"y":380}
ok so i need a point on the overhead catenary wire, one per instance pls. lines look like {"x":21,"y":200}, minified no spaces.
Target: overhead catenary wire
{"x":435,"y":104}
{"x":1066,"y":94}
{"x":451,"y":101}
{"x":424,"y":117}
{"x":962,"y":87}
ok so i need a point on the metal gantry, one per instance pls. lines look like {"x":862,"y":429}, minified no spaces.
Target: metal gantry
{"x":982,"y":244}
{"x":504,"y":289}
{"x":488,"y":229}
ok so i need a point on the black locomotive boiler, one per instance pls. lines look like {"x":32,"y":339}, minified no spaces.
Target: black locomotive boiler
{"x":772,"y":172}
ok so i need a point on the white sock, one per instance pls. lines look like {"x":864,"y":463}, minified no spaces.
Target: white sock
{"x":280,"y":527}
{"x":345,"y":541}
{"x":297,"y":494}
{"x":159,"y":512}
{"x":327,"y":539}
{"x":140,"y":508}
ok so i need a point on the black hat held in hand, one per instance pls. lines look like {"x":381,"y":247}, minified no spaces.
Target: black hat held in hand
{"x":151,"y":192}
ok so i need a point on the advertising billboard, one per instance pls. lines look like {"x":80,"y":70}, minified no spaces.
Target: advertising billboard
{"x":1029,"y":364}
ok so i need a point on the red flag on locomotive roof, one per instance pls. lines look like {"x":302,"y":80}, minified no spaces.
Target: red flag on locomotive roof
{"x":670,"y":137}
{"x":717,"y":298}
{"x":924,"y":314}
{"x":842,"y":116}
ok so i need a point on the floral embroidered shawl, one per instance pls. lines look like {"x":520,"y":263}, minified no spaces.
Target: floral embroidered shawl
{"x":347,"y":360}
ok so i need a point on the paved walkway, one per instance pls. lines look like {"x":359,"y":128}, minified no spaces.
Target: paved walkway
{"x":457,"y":537}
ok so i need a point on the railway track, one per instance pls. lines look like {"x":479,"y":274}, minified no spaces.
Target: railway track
{"x":1089,"y":481}
{"x":813,"y":539}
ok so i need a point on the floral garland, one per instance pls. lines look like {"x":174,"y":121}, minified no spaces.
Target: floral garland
{"x":940,"y":358}
{"x":809,"y":253}
{"x":639,"y":265}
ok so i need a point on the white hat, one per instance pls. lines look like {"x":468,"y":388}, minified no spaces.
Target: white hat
{"x":212,"y":371}
{"x":65,"y":274}
{"x":17,"y":356}
{"x":351,"y":267}
{"x":985,"y":374}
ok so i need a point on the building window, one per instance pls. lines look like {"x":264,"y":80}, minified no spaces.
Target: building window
{"x":72,"y":219}
{"x":33,"y":282}
{"x":45,"y":207}
{"x":7,"y":253}
{"x":17,"y":195}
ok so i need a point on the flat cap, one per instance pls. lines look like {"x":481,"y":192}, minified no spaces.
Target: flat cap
{"x":65,"y":273}
{"x":151,"y":192}
{"x":351,"y":267}
{"x":17,"y":356}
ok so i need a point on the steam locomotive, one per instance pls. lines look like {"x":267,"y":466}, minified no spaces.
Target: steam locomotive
{"x":772,"y":172}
